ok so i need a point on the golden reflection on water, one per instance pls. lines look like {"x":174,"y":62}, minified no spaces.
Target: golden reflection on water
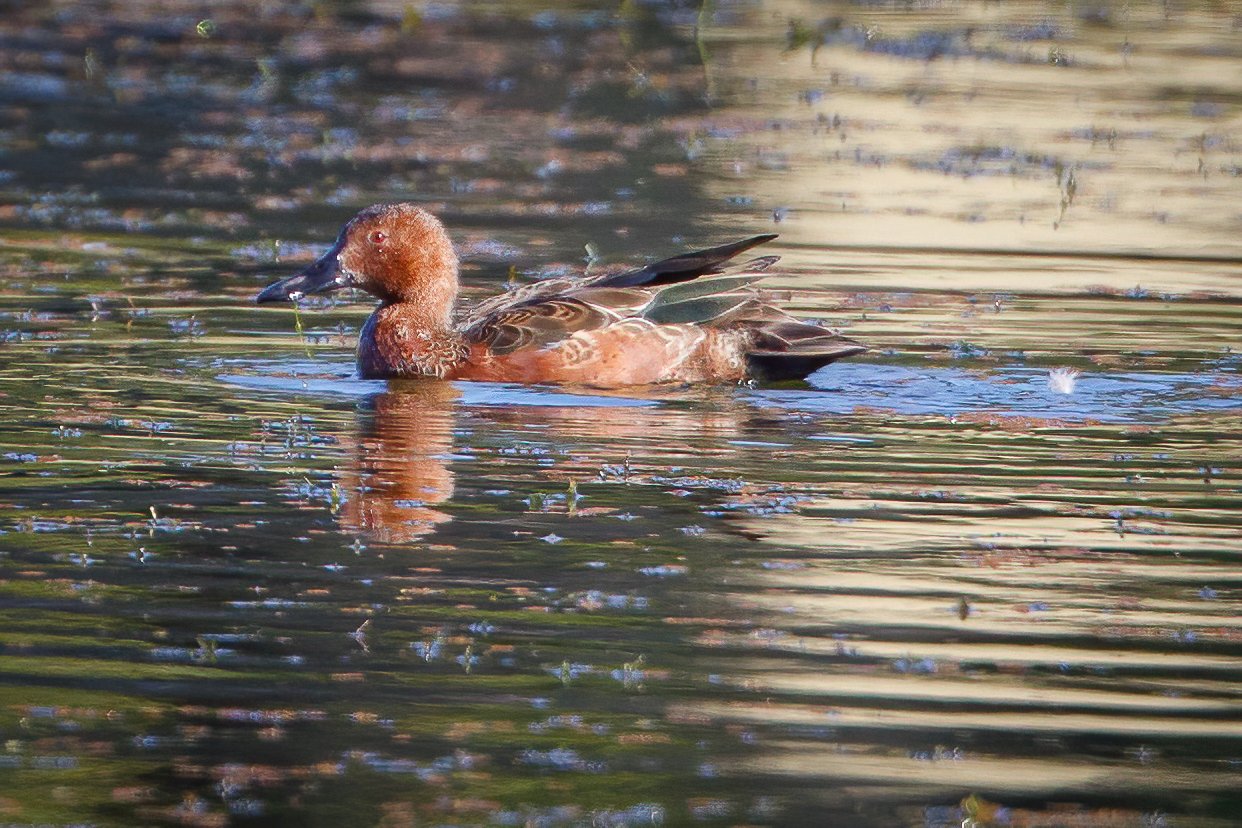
{"x":1128,"y":146}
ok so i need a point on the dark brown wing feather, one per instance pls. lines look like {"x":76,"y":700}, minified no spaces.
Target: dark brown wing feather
{"x":789,"y":349}
{"x":685,"y":267}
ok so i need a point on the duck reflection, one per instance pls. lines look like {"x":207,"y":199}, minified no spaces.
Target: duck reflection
{"x":400,"y":473}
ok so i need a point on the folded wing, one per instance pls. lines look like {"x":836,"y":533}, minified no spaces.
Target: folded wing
{"x":669,"y":292}
{"x":540,"y":314}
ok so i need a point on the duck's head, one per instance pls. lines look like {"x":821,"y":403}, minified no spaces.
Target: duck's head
{"x":396,"y":252}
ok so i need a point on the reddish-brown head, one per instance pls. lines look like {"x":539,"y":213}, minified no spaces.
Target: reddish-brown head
{"x":397,"y":252}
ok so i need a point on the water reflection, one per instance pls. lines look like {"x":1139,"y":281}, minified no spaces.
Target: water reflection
{"x":399,"y":469}
{"x":1025,"y":396}
{"x":403,"y":452}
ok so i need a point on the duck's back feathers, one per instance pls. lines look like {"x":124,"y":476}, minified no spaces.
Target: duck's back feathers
{"x":541,"y":313}
{"x":541,"y":321}
{"x":670,"y":301}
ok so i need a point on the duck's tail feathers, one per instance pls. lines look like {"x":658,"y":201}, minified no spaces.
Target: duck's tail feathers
{"x":788,"y":349}
{"x":689,"y":266}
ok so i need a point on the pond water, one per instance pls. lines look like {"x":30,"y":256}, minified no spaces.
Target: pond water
{"x":985,"y":574}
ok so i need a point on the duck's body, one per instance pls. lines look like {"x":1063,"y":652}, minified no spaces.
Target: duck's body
{"x":657,"y":324}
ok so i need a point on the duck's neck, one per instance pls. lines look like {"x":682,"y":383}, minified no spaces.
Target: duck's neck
{"x":409,"y":339}
{"x":431,"y":299}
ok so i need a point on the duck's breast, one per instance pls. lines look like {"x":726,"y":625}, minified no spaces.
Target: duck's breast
{"x":397,"y":341}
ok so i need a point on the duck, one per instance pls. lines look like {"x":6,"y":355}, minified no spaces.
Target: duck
{"x":694,"y":318}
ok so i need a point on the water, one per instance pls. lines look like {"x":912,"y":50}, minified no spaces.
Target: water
{"x":985,"y":573}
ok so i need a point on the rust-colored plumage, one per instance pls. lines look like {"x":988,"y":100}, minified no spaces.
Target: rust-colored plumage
{"x":656,"y":324}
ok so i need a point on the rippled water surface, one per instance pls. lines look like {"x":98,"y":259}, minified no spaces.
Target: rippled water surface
{"x":986,"y":574}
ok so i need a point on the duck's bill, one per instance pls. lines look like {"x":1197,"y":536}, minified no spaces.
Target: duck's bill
{"x":321,"y":277}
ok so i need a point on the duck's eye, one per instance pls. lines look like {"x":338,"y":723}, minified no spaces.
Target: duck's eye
{"x":378,"y":237}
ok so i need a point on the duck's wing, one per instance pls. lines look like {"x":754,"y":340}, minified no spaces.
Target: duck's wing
{"x":789,"y":348}
{"x":716,"y":301}
{"x":685,"y":267}
{"x":518,"y":297}
{"x":780,"y":346}
{"x":545,"y":319}
{"x":546,"y":312}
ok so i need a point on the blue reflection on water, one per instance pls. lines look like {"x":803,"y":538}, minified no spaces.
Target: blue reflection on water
{"x":323,"y":377}
{"x":842,"y":388}
{"x":943,"y":391}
